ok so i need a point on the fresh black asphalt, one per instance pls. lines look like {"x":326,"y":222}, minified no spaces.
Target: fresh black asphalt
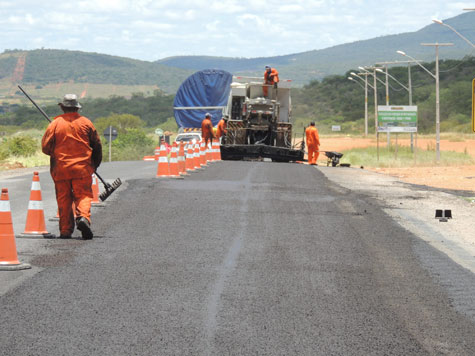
{"x":242,"y":258}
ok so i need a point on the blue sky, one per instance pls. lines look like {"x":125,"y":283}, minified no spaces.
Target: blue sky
{"x":151,"y":30}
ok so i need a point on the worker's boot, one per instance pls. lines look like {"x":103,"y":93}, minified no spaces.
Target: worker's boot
{"x":84,"y":226}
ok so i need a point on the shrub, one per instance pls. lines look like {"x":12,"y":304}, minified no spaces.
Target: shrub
{"x":22,"y":146}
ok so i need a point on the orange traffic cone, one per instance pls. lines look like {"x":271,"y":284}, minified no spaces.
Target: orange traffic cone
{"x":189,"y":161}
{"x":203,"y":162}
{"x":8,"y":255}
{"x":196,"y":159}
{"x":216,"y":151}
{"x":95,"y":192}
{"x":209,"y":152}
{"x":35,"y":218}
{"x":56,"y":218}
{"x":157,"y":153}
{"x":163,"y":171}
{"x":181,"y":159}
{"x":173,"y":165}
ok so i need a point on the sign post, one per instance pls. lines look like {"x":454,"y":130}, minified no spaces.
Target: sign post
{"x":110,"y":133}
{"x":159,"y":133}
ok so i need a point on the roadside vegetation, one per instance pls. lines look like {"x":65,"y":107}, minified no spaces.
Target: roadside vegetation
{"x":333,"y":101}
{"x":402,"y":156}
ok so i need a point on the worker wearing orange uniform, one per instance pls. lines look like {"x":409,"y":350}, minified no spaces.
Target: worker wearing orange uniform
{"x":75,"y":151}
{"x":313,"y":143}
{"x":207,"y":129}
{"x":222,"y":129}
{"x":271,"y":77}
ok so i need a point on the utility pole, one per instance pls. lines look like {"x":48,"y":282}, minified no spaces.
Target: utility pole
{"x":437,"y":95}
{"x":366,"y":84}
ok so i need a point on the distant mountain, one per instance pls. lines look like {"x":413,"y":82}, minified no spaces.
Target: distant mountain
{"x":303,"y":67}
{"x":46,"y":66}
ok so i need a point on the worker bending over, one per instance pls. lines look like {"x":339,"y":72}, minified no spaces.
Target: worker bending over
{"x":271,"y":77}
{"x":207,"y":129}
{"x":222,"y":129}
{"x":313,"y":143}
{"x":75,"y":151}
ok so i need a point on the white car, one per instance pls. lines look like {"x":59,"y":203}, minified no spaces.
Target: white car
{"x":188,"y":136}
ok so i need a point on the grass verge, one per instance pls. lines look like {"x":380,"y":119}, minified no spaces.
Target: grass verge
{"x":403,"y":157}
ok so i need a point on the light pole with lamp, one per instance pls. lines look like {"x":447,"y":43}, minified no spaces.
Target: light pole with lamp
{"x":437,"y":100}
{"x":365,"y":87}
{"x":375,"y":87}
{"x":440,"y":22}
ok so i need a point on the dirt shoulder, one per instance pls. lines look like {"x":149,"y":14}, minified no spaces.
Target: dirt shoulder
{"x":413,"y":207}
{"x":453,"y":177}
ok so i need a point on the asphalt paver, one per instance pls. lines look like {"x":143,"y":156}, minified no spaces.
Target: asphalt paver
{"x":242,"y":258}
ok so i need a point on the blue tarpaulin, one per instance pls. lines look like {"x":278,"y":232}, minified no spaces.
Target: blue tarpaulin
{"x":206,"y":88}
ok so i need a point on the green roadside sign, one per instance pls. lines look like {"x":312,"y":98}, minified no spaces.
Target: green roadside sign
{"x":473,"y":105}
{"x":397,"y":118}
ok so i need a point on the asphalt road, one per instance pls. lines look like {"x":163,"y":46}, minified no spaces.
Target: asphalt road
{"x":243,"y":258}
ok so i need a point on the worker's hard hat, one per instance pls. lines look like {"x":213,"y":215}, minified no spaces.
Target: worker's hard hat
{"x":207,"y":114}
{"x":268,"y":67}
{"x":70,"y":101}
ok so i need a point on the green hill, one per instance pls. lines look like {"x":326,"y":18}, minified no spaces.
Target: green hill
{"x":317,"y":64}
{"x":338,"y":101}
{"x":50,"y":72}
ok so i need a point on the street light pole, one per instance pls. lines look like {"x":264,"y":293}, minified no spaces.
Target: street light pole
{"x":409,"y":84}
{"x":440,"y":22}
{"x":366,"y":105}
{"x":366,"y":84}
{"x":437,"y":99}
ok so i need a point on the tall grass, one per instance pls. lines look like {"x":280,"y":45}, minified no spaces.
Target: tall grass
{"x":403,"y":157}
{"x":35,"y":160}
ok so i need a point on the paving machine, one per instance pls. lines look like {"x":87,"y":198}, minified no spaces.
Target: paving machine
{"x":258,"y":125}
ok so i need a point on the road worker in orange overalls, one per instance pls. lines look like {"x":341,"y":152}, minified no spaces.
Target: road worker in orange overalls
{"x":222,"y":129}
{"x":207,"y":129}
{"x":313,"y":143}
{"x":271,"y":77}
{"x":75,"y":151}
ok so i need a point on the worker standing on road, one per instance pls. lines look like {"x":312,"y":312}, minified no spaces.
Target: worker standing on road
{"x":222,"y":129}
{"x":271,"y":77}
{"x":313,"y":143}
{"x":75,"y":151}
{"x":207,"y":129}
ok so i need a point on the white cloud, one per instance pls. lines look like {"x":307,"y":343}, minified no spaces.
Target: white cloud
{"x":227,"y":6}
{"x":151,"y":25}
{"x":228,"y":27}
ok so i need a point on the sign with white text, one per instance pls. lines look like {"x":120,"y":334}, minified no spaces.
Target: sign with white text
{"x":397,"y":118}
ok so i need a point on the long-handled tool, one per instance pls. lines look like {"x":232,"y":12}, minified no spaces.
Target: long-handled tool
{"x":110,"y":188}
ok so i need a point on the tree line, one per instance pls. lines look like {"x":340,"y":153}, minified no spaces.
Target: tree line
{"x":333,"y":100}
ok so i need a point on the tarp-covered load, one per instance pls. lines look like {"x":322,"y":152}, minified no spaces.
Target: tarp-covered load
{"x":205,"y":91}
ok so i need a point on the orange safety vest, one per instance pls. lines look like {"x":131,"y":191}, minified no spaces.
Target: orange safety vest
{"x":271,"y":78}
{"x":222,"y":128}
{"x":207,"y":129}
{"x":311,"y":133}
{"x":72,"y":142}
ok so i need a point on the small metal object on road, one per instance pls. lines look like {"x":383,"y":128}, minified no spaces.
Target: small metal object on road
{"x":443,"y":215}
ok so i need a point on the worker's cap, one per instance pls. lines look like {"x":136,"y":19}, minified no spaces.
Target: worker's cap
{"x":312,"y":123}
{"x":70,"y":101}
{"x":268,"y":67}
{"x":207,"y":114}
